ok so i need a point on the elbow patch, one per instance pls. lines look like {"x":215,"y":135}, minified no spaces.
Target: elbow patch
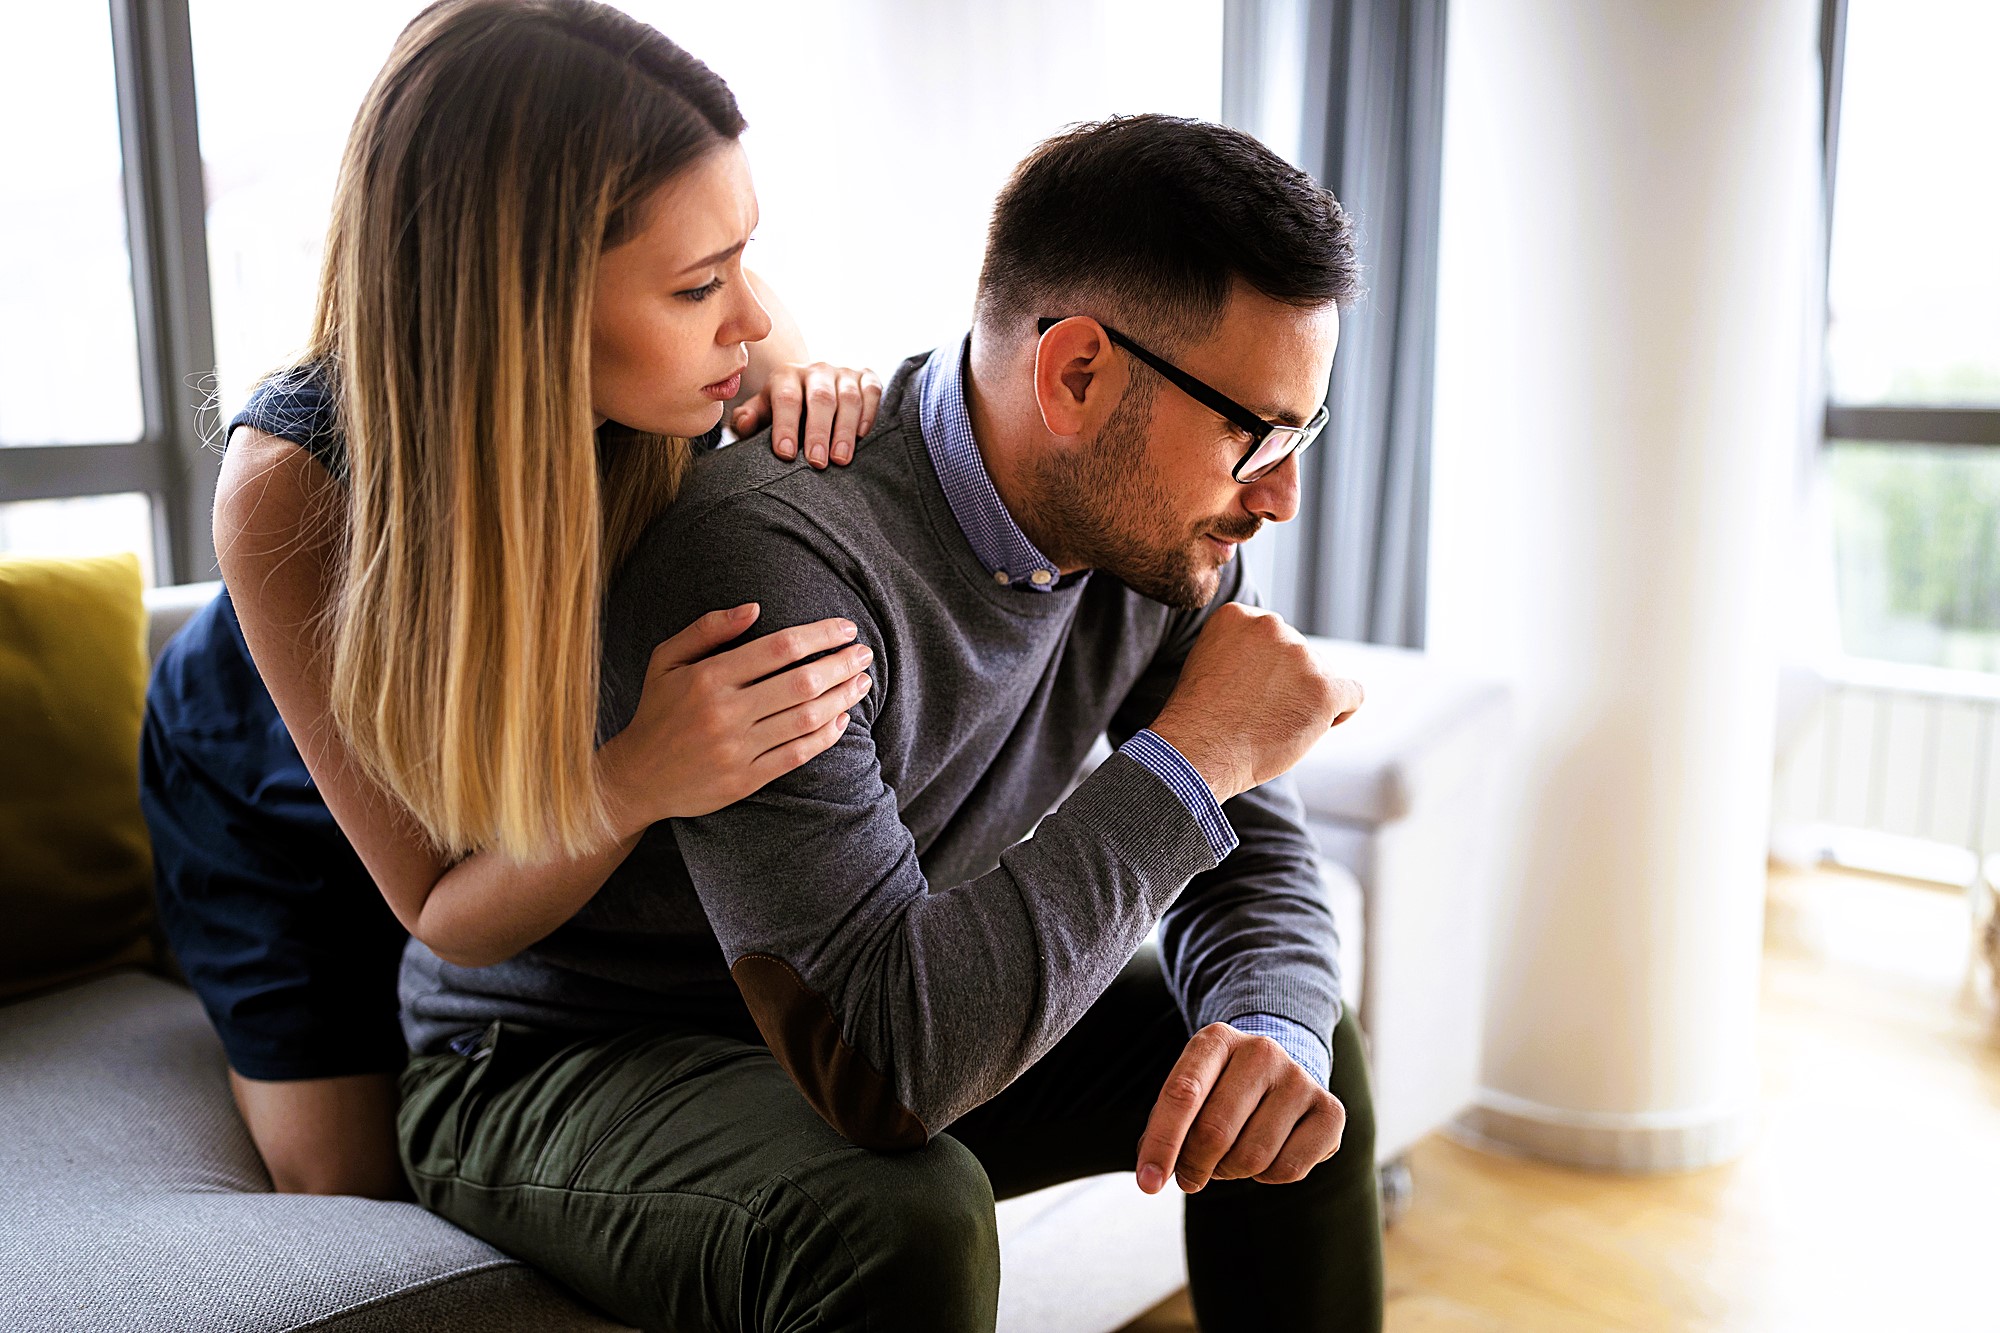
{"x":798,"y":1024}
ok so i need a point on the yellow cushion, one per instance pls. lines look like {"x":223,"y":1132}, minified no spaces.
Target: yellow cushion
{"x":75,"y":866}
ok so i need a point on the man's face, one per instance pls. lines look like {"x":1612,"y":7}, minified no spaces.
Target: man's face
{"x":1149,"y":498}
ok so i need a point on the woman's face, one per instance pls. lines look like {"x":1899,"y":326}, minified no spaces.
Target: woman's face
{"x":673,"y":310}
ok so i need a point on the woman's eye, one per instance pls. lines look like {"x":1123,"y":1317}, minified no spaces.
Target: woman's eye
{"x":703,"y":292}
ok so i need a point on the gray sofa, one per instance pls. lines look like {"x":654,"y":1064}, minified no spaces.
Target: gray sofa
{"x":134,"y":1200}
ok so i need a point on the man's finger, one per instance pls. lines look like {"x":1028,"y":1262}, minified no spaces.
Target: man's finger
{"x":1231,"y":1102}
{"x":1180,"y":1101}
{"x":1260,"y":1139}
{"x":1347,"y":700}
{"x":1314,"y":1139}
{"x":1258,"y":1079}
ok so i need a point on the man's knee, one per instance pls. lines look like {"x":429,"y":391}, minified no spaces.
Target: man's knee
{"x":938,"y":1206}
{"x":908,"y":1238}
{"x":1352,"y":1085}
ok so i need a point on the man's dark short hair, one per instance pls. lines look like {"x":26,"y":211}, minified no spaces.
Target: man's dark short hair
{"x":1149,"y":220}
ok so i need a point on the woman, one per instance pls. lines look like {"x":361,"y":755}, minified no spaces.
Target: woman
{"x":532,"y":310}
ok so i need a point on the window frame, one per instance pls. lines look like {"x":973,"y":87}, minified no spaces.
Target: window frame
{"x":166,"y":232}
{"x":1875,"y":423}
{"x":165,"y":207}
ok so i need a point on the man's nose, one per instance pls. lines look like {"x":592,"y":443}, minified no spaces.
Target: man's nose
{"x":1274,"y":496}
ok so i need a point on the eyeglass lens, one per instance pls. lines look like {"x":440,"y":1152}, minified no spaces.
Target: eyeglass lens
{"x":1272,"y":450}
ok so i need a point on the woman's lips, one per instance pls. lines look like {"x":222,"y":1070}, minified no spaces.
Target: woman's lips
{"x":723,"y":390}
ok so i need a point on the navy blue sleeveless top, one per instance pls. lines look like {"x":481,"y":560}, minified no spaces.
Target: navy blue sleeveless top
{"x":268,"y":910}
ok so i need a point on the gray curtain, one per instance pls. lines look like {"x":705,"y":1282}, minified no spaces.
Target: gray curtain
{"x":1353,"y":91}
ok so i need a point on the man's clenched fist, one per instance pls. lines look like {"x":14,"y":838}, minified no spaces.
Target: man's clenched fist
{"x":1236,"y":1105}
{"x":1251,"y":700}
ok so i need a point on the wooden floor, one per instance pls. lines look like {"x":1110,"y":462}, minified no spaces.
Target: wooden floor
{"x":1870,"y":1200}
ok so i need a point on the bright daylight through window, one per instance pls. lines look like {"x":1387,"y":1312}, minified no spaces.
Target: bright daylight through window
{"x":69,"y":370}
{"x":866,"y":293}
{"x":1914,"y":296}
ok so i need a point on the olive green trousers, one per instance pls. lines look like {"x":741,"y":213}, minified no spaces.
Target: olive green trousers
{"x":678,"y":1180}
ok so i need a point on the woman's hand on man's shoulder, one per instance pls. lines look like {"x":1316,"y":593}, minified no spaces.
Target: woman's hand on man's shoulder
{"x":837,"y":404}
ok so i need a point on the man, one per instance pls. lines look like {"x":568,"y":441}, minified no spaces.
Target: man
{"x":924,"y":1007}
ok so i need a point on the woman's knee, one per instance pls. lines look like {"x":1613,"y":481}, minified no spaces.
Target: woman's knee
{"x":325,"y":1135}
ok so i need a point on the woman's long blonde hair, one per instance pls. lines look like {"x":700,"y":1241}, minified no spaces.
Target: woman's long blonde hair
{"x":504,"y":146}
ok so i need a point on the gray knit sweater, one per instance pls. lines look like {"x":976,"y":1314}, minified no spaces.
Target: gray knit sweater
{"x":897,"y":937}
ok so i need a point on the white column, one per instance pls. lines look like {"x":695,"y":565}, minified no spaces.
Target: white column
{"x":1627,"y":241}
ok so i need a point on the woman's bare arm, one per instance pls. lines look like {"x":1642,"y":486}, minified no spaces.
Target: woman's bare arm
{"x":276,"y":522}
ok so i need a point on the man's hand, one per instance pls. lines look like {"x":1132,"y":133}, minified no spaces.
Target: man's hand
{"x":1236,"y":1105}
{"x":1251,"y":700}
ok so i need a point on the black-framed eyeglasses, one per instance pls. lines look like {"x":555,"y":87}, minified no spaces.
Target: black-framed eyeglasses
{"x":1271,"y":443}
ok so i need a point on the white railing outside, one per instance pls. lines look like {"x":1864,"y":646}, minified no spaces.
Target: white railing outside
{"x":1897,"y":769}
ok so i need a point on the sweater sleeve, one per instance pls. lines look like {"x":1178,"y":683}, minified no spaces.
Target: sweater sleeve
{"x":1253,"y":935}
{"x":895,"y":1004}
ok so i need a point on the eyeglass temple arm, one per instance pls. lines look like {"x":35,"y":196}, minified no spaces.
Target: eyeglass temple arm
{"x":1227,"y":408}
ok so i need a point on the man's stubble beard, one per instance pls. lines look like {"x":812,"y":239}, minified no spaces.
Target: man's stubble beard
{"x":1101,"y":505}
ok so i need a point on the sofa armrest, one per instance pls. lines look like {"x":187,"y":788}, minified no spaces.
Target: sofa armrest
{"x":167,"y":609}
{"x":1420,"y":725}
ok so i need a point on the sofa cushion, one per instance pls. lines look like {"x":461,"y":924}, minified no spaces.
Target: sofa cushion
{"x":75,"y":872}
{"x":170,"y":607}
{"x":132,"y":1198}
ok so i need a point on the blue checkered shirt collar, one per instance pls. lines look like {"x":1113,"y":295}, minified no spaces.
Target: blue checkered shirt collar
{"x":996,"y":539}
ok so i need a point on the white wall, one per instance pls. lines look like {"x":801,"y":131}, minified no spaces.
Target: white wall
{"x":1627,"y":244}
{"x":880,"y":131}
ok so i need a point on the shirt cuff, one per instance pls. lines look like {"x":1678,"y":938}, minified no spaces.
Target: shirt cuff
{"x":1308,"y":1052}
{"x":1164,"y":762}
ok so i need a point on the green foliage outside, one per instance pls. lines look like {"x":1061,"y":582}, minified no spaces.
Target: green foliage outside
{"x":1918,"y":529}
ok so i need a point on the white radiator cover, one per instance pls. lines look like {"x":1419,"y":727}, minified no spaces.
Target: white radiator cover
{"x":1890,"y":767}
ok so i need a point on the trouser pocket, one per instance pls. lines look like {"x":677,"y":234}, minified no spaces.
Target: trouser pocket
{"x":443,"y":1095}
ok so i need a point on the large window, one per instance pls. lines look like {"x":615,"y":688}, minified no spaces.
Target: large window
{"x":69,"y":353}
{"x":880,"y":131}
{"x":1913,"y":337}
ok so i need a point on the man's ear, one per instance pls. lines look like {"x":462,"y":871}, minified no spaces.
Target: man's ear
{"x":1077,"y":379}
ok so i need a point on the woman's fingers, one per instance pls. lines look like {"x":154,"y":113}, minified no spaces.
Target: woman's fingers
{"x":847,"y":424}
{"x":803,"y":684}
{"x":822,"y":398}
{"x":751,"y":415}
{"x":777,"y":762}
{"x":871,"y":398}
{"x":806,"y":718}
{"x":759,"y":658}
{"x":704,"y":636}
{"x":787,"y":396}
{"x":818,"y":411}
